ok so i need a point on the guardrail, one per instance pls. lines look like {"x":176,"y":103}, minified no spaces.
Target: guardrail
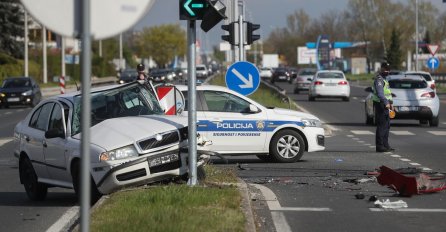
{"x":439,"y":77}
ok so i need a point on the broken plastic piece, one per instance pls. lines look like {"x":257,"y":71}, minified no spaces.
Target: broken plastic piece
{"x":406,"y":186}
{"x":387,"y":204}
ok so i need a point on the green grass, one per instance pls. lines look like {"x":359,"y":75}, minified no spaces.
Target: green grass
{"x":171,"y":208}
{"x":174,"y":207}
{"x":264,"y":95}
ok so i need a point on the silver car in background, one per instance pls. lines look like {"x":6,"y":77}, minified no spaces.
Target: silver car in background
{"x":303,"y":79}
{"x":412,"y":99}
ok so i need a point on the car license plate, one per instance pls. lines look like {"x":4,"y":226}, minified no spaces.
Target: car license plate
{"x":330,"y":84}
{"x":160,"y":160}
{"x":408,"y":108}
{"x":13,"y":99}
{"x":282,"y":77}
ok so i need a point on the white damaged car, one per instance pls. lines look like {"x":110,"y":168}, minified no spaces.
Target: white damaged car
{"x":132,"y":141}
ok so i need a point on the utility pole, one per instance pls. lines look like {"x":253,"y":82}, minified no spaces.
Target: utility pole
{"x":26,"y":45}
{"x":120,"y":52}
{"x":62,"y":54}
{"x":416,"y":35}
{"x":100,"y":48}
{"x":45,"y":70}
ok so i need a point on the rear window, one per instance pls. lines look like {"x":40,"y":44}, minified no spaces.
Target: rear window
{"x":201,"y":68}
{"x":328,"y":75}
{"x":407,"y":84}
{"x":307,"y":72}
{"x":426,"y":77}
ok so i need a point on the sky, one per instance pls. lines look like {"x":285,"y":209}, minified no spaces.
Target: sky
{"x":270,"y":14}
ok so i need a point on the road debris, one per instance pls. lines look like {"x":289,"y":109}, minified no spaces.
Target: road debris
{"x":359,"y":196}
{"x":360,"y":181}
{"x":387,"y":204}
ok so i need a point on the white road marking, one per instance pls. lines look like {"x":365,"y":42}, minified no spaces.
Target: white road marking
{"x":360,"y":141}
{"x":372,"y":146}
{"x":355,"y":98}
{"x":9,"y":112}
{"x":368,"y":144}
{"x":4,"y":141}
{"x":396,"y":156}
{"x":415,"y":164}
{"x":440,"y":133}
{"x":280,"y":222}
{"x":402,"y":133}
{"x":350,"y":136}
{"x":355,"y":138}
{"x":71,"y":214}
{"x":362,"y":132}
{"x":405,"y":160}
{"x":427,"y":169}
{"x":414,"y":210}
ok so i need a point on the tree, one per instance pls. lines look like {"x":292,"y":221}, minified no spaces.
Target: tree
{"x":11,"y":27}
{"x":162,"y":43}
{"x":394,"y":52}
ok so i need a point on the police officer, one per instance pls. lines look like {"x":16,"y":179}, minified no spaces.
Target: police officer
{"x":382,"y":102}
{"x":141,"y":72}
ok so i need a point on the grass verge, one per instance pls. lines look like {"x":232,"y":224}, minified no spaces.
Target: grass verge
{"x":174,"y":207}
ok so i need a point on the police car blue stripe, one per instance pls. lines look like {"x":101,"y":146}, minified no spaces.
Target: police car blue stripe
{"x":243,"y":125}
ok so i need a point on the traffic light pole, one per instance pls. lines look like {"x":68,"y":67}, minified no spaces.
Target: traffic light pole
{"x":241,"y":43}
{"x":192,"y":102}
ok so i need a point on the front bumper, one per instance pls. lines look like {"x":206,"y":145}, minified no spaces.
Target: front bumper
{"x":315,"y":138}
{"x":18,"y":100}
{"x":139,"y":172}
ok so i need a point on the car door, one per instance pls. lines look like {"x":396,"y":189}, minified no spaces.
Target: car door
{"x":34,"y":138}
{"x":55,"y":147}
{"x":229,"y":124}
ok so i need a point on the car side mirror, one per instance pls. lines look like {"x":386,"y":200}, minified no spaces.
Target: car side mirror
{"x":368,"y":89}
{"x":253,"y":109}
{"x":54,"y":133}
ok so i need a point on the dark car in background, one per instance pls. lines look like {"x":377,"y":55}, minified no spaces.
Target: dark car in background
{"x":19,"y":91}
{"x":128,"y":75}
{"x":281,"y":74}
{"x":162,"y":75}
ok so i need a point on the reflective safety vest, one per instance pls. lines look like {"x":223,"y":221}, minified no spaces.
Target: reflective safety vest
{"x":387,"y":92}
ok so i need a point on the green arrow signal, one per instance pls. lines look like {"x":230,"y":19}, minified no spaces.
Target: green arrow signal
{"x":195,"y":5}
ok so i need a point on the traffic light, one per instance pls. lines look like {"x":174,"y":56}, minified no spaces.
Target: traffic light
{"x":250,"y":28}
{"x":231,"y":29}
{"x":193,"y":9}
{"x":214,"y":14}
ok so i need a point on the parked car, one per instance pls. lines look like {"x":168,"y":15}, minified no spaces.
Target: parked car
{"x":266,"y":73}
{"x":19,"y":91}
{"x":280,"y":74}
{"x":412,"y":99}
{"x":162,"y":75}
{"x":238,"y":125}
{"x":303,"y":79}
{"x":329,"y":83}
{"x":128,"y":75}
{"x":201,"y":71}
{"x":427,"y":77}
{"x":132,"y":141}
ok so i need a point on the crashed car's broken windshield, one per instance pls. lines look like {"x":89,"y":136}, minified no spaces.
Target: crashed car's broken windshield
{"x":130,"y":100}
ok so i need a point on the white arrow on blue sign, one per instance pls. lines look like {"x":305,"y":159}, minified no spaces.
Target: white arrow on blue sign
{"x":433,"y":63}
{"x":243,"y":77}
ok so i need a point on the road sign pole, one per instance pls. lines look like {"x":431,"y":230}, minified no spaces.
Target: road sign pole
{"x":192,"y":102}
{"x":26,"y":44}
{"x":85,"y":116}
{"x":241,"y":39}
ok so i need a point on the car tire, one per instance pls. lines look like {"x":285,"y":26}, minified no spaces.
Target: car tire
{"x":434,"y":121}
{"x":369,"y":120}
{"x":95,"y":195}
{"x":283,"y":143}
{"x":266,"y":158}
{"x":424,"y":121}
{"x":36,"y":191}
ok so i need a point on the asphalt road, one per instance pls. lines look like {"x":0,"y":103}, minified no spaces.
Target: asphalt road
{"x":316,"y":194}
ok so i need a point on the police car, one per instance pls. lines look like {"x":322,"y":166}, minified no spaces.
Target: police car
{"x":238,"y":125}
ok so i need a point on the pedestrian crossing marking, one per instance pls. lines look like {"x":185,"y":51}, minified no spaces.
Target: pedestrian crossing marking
{"x":437,"y":132}
{"x":355,"y":138}
{"x":3,"y":141}
{"x":415,"y":164}
{"x":402,"y":133}
{"x":396,"y":156}
{"x":405,"y":160}
{"x":372,"y":146}
{"x":350,"y":136}
{"x":427,"y":169}
{"x":362,"y":132}
{"x":359,"y":141}
{"x":367,"y":144}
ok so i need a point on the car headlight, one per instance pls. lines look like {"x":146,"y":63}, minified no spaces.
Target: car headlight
{"x":163,"y":77}
{"x":2,"y":95}
{"x":118,"y":154}
{"x":27,"y":93}
{"x":311,"y":122}
{"x":121,"y":82}
{"x":169,"y":76}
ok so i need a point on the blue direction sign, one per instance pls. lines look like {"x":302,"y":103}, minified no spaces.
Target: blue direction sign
{"x":243,"y":77}
{"x":433,"y":63}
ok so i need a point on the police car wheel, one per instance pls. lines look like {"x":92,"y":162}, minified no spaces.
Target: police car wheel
{"x":287,"y":146}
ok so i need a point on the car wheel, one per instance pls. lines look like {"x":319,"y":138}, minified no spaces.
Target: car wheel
{"x":433,"y":122}
{"x":424,"y":122}
{"x":266,"y":158}
{"x":36,"y":191}
{"x":76,"y":177}
{"x":369,"y":120}
{"x":287,"y":146}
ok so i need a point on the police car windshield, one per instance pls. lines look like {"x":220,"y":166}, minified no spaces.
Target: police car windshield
{"x":407,"y":84}
{"x":131,"y":100}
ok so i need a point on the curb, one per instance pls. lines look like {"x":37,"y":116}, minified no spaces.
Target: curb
{"x":246,"y":205}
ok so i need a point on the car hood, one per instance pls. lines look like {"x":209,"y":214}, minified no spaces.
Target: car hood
{"x":287,"y":112}
{"x":118,"y":132}
{"x":14,"y":90}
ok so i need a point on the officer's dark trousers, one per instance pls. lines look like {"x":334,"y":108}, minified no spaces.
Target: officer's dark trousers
{"x":382,"y":126}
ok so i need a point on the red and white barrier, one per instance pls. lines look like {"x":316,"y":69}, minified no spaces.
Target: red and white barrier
{"x":166,"y":95}
{"x":62,"y":84}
